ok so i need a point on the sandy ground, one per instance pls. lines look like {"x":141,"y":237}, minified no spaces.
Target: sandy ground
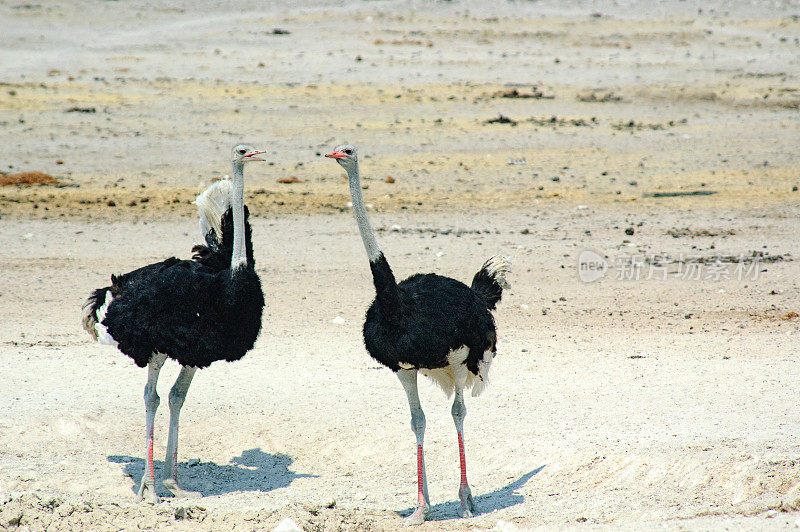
{"x":632,"y":402}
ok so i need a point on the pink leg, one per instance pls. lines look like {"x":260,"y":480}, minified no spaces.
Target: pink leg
{"x":464,"y":493}
{"x":463,"y":460}
{"x":177,"y":396}
{"x":409,"y":380}
{"x":150,"y":467}
{"x":420,"y":478}
{"x":459,"y":412}
{"x":151,"y":401}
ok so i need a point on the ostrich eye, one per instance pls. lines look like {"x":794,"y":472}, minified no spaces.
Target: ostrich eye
{"x":242,"y":151}
{"x":348,"y":151}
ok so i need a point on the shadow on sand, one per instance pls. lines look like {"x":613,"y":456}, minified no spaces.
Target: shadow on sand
{"x":488,"y":502}
{"x":254,"y":470}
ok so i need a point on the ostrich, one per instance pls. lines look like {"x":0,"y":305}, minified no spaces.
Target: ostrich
{"x":430,"y":324}
{"x":192,"y":311}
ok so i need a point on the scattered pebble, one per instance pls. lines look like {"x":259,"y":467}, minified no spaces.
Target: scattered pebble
{"x":501,"y":120}
{"x":338,"y":320}
{"x":504,"y":526}
{"x":287,"y":525}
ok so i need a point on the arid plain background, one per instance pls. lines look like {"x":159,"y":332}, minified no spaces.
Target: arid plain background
{"x":618,"y":404}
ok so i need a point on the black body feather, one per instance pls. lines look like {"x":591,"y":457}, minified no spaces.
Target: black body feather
{"x":194,"y":311}
{"x":422,"y":319}
{"x":487,"y":287}
{"x":217,"y":253}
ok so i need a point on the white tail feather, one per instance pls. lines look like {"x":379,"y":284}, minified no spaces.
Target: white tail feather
{"x":89,"y":319}
{"x":102,"y":333}
{"x":212,"y":204}
{"x":497,"y":267}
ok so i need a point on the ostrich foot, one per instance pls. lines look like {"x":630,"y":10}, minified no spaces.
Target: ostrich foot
{"x":172,"y":485}
{"x":147,"y":485}
{"x":467,"y":504}
{"x":419,"y":515}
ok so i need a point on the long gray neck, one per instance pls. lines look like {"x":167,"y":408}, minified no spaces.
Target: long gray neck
{"x":360,"y":212}
{"x":239,"y":257}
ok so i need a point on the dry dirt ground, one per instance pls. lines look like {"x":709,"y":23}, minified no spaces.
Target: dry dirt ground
{"x":663,"y":136}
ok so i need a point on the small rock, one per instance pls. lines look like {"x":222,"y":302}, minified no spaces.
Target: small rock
{"x":193,"y":462}
{"x":629,"y":231}
{"x":389,"y":179}
{"x":504,"y":526}
{"x":81,"y":110}
{"x":287,"y":525}
{"x":770,"y":514}
{"x":338,"y":320}
{"x":396,"y":228}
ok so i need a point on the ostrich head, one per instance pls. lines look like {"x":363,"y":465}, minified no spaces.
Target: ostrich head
{"x":243,"y":153}
{"x":345,"y":155}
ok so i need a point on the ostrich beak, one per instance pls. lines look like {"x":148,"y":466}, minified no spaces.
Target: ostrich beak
{"x":336,"y":155}
{"x":251,"y":156}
